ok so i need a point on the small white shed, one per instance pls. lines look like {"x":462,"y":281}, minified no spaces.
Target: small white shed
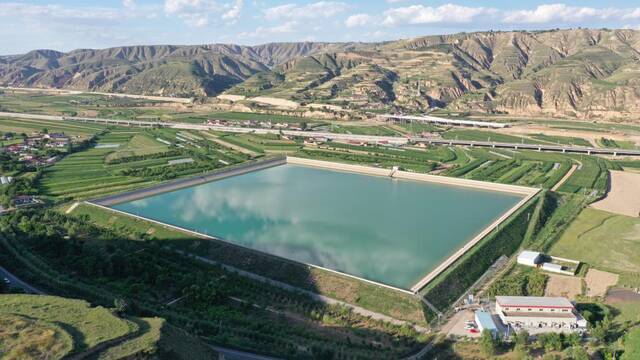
{"x":529,"y":258}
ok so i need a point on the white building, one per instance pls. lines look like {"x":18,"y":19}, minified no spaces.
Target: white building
{"x":530,"y":258}
{"x":484,"y":320}
{"x":555,"y":313}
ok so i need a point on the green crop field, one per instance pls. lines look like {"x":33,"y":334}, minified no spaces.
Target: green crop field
{"x":139,"y":160}
{"x":29,"y":126}
{"x":618,"y":144}
{"x":480,"y":135}
{"x":364,"y":130}
{"x":562,"y":140}
{"x":262,"y":143}
{"x":590,"y":178}
{"x":603,"y":240}
{"x":513,"y":167}
{"x":139,"y":144}
{"x":33,"y":102}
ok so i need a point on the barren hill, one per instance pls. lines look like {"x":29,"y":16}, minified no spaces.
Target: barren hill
{"x":570,"y":73}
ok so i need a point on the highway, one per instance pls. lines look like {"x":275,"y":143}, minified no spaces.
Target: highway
{"x":15,"y":282}
{"x":230,"y":354}
{"x":395,"y":140}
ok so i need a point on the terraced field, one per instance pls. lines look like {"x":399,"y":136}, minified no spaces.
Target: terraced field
{"x":261,"y":143}
{"x":126,"y":159}
{"x":511,"y":167}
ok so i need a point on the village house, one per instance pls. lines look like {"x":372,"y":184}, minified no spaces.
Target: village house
{"x":536,"y":312}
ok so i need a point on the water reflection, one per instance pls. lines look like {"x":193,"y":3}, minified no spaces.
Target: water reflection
{"x":377,"y":228}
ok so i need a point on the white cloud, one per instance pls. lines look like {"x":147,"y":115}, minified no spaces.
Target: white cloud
{"x":559,"y":13}
{"x":359,"y":20}
{"x":234,"y":12}
{"x":129,"y":4}
{"x":447,"y":13}
{"x":59,"y":12}
{"x":197,"y":13}
{"x":635,"y":14}
{"x":321,"y":9}
{"x":261,"y":31}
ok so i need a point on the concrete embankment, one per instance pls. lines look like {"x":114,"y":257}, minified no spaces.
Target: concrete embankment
{"x":183,"y":183}
{"x":405,"y":175}
{"x":339,"y":166}
{"x":527,"y":192}
{"x":486,"y":231}
{"x":484,"y":185}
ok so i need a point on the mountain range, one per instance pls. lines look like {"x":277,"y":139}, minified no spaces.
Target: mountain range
{"x":582,"y":73}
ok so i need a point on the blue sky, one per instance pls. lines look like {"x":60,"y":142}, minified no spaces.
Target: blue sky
{"x":70,"y":24}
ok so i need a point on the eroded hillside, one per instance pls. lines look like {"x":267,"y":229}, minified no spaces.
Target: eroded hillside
{"x":569,"y":73}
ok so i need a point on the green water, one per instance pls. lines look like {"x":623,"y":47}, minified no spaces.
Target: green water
{"x":381,"y":229}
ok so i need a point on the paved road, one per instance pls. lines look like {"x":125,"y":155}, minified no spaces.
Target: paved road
{"x":536,"y":147}
{"x":230,"y":354}
{"x":397,"y":140}
{"x":17,"y":283}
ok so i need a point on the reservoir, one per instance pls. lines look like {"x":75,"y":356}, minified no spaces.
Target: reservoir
{"x":377,"y":228}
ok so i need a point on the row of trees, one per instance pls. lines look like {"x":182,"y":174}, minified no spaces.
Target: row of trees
{"x":227,"y":308}
{"x":521,"y":343}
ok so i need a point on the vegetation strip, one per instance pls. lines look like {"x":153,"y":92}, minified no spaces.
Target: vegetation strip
{"x":183,"y":183}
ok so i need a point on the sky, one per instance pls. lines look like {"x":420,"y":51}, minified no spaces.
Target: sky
{"x":72,"y":24}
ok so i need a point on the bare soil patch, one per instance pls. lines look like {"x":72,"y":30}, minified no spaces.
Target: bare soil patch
{"x":560,"y":285}
{"x":624,"y":196}
{"x":620,"y":295}
{"x":599,"y":281}
{"x":231,"y":97}
{"x":591,"y":136}
{"x":276,"y":102}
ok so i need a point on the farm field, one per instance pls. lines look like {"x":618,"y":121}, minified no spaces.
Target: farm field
{"x":605,"y":241}
{"x":619,"y":144}
{"x":562,"y":140}
{"x":481,"y":135}
{"x":65,"y":104}
{"x":126,"y":159}
{"x":29,"y":126}
{"x":365,"y":130}
{"x":262,"y":143}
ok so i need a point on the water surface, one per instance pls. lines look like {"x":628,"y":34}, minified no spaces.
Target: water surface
{"x":382,"y":229}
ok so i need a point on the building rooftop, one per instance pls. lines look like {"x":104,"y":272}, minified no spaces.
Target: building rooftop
{"x":534,"y":301}
{"x":545,"y":314}
{"x":529,"y":256}
{"x":485,"y":320}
